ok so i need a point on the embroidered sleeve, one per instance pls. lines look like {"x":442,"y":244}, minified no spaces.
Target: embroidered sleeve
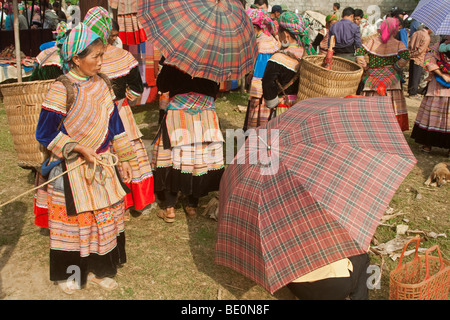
{"x":360,"y":56}
{"x":58,"y":146}
{"x":47,"y":132}
{"x":56,"y":98}
{"x":430,"y":62}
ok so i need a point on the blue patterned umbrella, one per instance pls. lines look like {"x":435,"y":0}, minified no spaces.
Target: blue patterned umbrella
{"x":435,"y":14}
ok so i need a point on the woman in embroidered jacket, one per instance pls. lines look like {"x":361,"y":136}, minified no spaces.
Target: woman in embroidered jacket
{"x":188,"y":149}
{"x":265,"y":29}
{"x":283,"y":66}
{"x":387,"y":56}
{"x":86,"y":205}
{"x":432,"y":124}
{"x":48,"y":60}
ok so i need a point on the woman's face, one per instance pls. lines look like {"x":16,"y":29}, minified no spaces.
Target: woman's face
{"x":113,"y":36}
{"x":92,"y":63}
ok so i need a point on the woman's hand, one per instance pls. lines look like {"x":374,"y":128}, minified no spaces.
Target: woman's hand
{"x":446,"y":77}
{"x":88,"y":154}
{"x":126,"y":172}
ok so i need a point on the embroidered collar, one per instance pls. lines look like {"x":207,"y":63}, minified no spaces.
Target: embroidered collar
{"x":77,"y":77}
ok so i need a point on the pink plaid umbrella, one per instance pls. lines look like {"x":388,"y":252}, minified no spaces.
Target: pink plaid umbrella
{"x":313,"y":195}
{"x":212,"y":39}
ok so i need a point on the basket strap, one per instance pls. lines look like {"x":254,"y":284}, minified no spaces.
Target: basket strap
{"x":70,"y":92}
{"x":70,"y":95}
{"x":435,"y":247}
{"x":416,"y":256}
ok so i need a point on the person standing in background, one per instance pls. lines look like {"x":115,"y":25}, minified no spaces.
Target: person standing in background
{"x":337,"y":10}
{"x":265,"y":30}
{"x":261,"y":4}
{"x":431,"y":127}
{"x":387,"y":57}
{"x":418,"y":47}
{"x":358,"y":17}
{"x":347,"y":35}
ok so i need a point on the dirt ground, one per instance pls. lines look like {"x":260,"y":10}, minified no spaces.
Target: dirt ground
{"x":24,"y":273}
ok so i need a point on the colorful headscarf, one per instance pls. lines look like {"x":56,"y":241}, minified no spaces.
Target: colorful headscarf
{"x":387,"y":28}
{"x":99,"y":20}
{"x":263,"y":20}
{"x":61,"y":30}
{"x":331,"y":17}
{"x":76,"y":42}
{"x":298,"y":26}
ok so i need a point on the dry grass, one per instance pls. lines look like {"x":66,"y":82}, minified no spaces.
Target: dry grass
{"x":175,"y":261}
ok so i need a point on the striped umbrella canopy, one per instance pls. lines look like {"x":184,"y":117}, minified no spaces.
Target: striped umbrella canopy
{"x":435,"y":14}
{"x":212,"y":39}
{"x":309,"y":188}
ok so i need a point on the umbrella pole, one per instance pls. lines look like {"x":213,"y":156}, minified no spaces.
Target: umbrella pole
{"x":17,"y":41}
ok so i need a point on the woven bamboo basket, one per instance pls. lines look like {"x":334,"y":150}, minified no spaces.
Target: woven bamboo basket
{"x":315,"y":81}
{"x":23,"y":101}
{"x":424,"y":278}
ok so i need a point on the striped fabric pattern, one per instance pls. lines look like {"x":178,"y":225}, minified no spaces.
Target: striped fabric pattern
{"x":131,"y":30}
{"x":49,"y":57}
{"x":197,"y":159}
{"x":81,"y":122}
{"x":433,"y":114}
{"x":207,"y":39}
{"x":267,"y":44}
{"x":258,"y":113}
{"x":287,"y":61}
{"x":99,"y":21}
{"x":435,"y":14}
{"x":103,"y":191}
{"x":340,"y":163}
{"x":184,"y":128}
{"x":117,"y":62}
{"x":88,"y":233}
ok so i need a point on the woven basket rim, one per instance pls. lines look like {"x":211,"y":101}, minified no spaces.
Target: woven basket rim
{"x":15,"y":84}
{"x":316,"y":57}
{"x":421,"y":260}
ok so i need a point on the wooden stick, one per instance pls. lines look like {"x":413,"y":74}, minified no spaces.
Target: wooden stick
{"x":116,"y":159}
{"x":45,"y":183}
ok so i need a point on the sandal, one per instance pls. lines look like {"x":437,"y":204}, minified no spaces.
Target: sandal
{"x":126,"y":215}
{"x":68,"y":287}
{"x":105,"y":283}
{"x":168,"y":215}
{"x":425,"y":149}
{"x":191,"y":212}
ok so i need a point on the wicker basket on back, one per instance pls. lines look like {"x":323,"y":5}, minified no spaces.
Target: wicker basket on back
{"x":315,"y":81}
{"x":23,"y":103}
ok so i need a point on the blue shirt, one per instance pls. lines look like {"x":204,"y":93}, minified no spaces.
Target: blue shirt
{"x":413,"y":27}
{"x":346,"y":33}
{"x":403,"y":36}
